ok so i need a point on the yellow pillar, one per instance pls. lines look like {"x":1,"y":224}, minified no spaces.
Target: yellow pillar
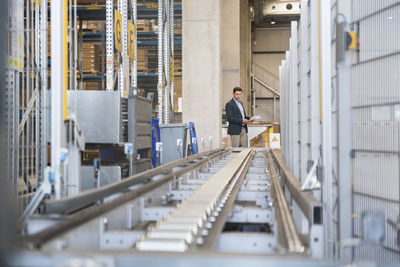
{"x":270,"y":131}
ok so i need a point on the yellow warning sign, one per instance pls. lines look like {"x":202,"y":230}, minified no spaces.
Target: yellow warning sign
{"x":118,"y":30}
{"x":131,"y":40}
{"x":275,"y":140}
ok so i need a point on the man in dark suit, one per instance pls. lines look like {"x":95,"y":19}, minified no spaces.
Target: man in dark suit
{"x":237,"y":119}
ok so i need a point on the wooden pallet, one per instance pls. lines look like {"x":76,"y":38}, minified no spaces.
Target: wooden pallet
{"x":90,"y":2}
{"x":90,"y":73}
{"x":143,"y":70}
{"x":144,"y":29}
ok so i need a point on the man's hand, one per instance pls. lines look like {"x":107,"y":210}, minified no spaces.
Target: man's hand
{"x":246,"y":121}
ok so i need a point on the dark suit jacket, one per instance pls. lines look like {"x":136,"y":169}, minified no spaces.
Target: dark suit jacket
{"x":234,"y":117}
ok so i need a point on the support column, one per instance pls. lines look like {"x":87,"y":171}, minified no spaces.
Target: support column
{"x":160,"y":83}
{"x":202,"y":69}
{"x":230,"y":42}
{"x":294,"y":99}
{"x":326,"y":139}
{"x":245,"y":53}
{"x":315,"y":112}
{"x":109,"y":46}
{"x":134,"y":62}
{"x":344,"y":141}
{"x":57,"y":89}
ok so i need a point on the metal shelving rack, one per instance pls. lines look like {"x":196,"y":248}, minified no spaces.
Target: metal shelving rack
{"x":148,"y":40}
{"x":26,"y":87}
{"x":30,"y":120}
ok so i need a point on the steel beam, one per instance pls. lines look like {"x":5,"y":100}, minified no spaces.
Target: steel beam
{"x":344,"y":138}
{"x":132,"y":258}
{"x":238,"y":242}
{"x":291,"y":238}
{"x":311,"y":207}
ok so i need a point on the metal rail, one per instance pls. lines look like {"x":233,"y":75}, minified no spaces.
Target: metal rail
{"x":66,"y":205}
{"x":288,"y":227}
{"x":311,"y":207}
{"x":37,"y":240}
{"x":201,"y":259}
{"x":267,"y":86}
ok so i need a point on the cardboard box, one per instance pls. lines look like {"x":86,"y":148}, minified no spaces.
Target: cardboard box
{"x":92,"y":85}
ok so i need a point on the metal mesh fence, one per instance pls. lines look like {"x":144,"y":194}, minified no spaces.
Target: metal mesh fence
{"x":371,"y":82}
{"x":376,"y":117}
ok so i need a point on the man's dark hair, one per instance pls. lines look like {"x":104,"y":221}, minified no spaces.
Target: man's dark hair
{"x":237,"y":89}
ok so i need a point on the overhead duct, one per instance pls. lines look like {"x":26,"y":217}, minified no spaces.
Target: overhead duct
{"x":281,"y":7}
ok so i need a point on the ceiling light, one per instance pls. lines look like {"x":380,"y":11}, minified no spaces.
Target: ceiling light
{"x":273,"y":22}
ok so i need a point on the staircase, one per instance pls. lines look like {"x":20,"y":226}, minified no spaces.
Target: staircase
{"x":266,"y":78}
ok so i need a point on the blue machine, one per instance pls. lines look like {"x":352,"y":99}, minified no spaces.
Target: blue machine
{"x":193,"y":139}
{"x":155,"y":138}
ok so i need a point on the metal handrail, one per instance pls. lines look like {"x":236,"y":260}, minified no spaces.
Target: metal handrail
{"x":309,"y":205}
{"x":258,"y":65}
{"x":265,"y":75}
{"x":289,"y":231}
{"x":267,"y":86}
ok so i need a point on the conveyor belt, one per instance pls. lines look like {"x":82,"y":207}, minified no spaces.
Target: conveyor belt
{"x":208,"y":202}
{"x":178,"y":229}
{"x":92,"y":212}
{"x":66,"y":205}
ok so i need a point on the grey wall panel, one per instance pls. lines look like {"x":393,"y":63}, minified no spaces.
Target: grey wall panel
{"x":377,"y":174}
{"x":143,"y":128}
{"x":379,"y":34}
{"x":265,"y":109}
{"x":107,"y":175}
{"x":374,"y":253}
{"x":374,"y":129}
{"x":375,"y":96}
{"x":334,"y":130}
{"x":377,"y":82}
{"x":363,"y":8}
{"x":365,"y":203}
{"x":272,"y":39}
{"x":142,"y":108}
{"x":98,"y":114}
{"x":374,"y":82}
{"x":143,"y":142}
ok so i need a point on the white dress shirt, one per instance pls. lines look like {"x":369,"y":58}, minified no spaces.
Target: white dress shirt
{"x":240,"y":107}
